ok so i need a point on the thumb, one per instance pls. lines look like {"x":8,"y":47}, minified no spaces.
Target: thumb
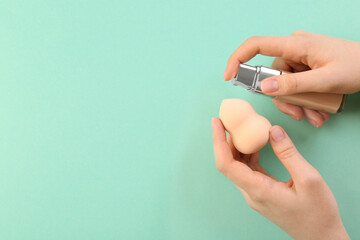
{"x":287,"y":153}
{"x":287,"y":84}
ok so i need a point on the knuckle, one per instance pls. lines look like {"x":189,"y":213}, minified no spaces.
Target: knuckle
{"x":306,"y":45}
{"x":298,"y":32}
{"x":313,"y":180}
{"x":251,"y":39}
{"x":233,"y":57}
{"x":258,"y":197}
{"x":289,"y":83}
{"x":287,"y":152}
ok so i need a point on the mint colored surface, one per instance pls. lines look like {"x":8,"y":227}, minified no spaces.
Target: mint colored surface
{"x":105,"y":118}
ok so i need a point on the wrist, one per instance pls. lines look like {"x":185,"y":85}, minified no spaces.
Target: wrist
{"x":330,"y":233}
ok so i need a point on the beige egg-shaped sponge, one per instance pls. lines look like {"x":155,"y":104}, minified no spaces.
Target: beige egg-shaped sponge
{"x":249,"y":130}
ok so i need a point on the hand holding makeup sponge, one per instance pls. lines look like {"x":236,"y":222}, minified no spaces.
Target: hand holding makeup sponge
{"x":249,"y":130}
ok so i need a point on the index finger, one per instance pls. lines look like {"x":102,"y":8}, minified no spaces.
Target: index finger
{"x":239,"y":173}
{"x":275,"y":46}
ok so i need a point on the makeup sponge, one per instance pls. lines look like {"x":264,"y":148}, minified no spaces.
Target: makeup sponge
{"x":249,"y":130}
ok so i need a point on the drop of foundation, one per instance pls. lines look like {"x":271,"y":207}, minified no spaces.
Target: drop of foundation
{"x":249,"y":131}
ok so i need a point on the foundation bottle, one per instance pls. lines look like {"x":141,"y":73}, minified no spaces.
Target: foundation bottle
{"x":251,"y":77}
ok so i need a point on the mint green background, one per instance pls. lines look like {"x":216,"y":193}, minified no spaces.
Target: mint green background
{"x":105,"y":117}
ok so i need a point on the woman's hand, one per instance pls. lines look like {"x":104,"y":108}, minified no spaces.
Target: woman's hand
{"x":304,"y":207}
{"x":320,"y":64}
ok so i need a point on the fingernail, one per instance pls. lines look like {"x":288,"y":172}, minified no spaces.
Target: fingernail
{"x":270,"y":85}
{"x":312,"y":122}
{"x":277,"y":134}
{"x":295,"y":117}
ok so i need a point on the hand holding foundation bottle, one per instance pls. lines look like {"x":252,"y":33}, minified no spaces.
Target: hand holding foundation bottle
{"x":317,"y":63}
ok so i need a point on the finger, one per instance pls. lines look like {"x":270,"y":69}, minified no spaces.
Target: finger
{"x":292,"y":83}
{"x":239,"y":173}
{"x":234,"y":151}
{"x":295,"y":112}
{"x":289,"y":66}
{"x":286,"y":46}
{"x":254,"y":158}
{"x":314,"y":117}
{"x":223,"y":154}
{"x":280,"y":64}
{"x":287,"y":153}
{"x":245,"y":157}
{"x":297,"y":67}
{"x":324,"y":115}
{"x":254,"y":162}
